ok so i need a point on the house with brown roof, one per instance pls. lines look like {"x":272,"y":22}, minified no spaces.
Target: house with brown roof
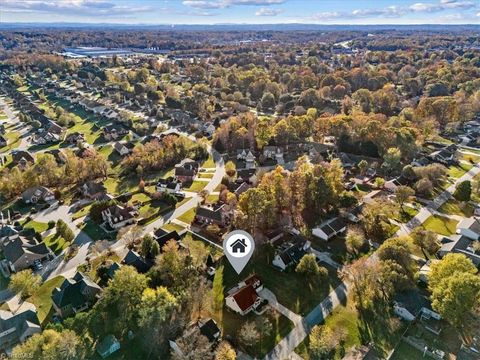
{"x":186,"y":170}
{"x":244,"y":298}
{"x":22,"y":158}
{"x":214,"y":214}
{"x":94,"y":190}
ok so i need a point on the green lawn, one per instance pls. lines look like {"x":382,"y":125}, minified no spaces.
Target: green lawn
{"x":209,"y":163}
{"x":56,"y":243}
{"x":212,"y":198}
{"x":205,"y":175}
{"x":94,"y":231}
{"x":141,"y":197}
{"x":188,"y":216}
{"x":406,"y":351}
{"x":36,"y":226}
{"x":42,"y":299}
{"x":13,"y":140}
{"x":293,"y":290}
{"x":84,"y":211}
{"x":197,"y":186}
{"x":471,"y":158}
{"x":441,"y":225}
{"x":454,"y":207}
{"x":344,"y":317}
{"x":173,"y":227}
{"x":458,"y":171}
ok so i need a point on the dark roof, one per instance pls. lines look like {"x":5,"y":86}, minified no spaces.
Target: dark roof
{"x":210,"y":329}
{"x":18,"y":155}
{"x":135,"y":260}
{"x":19,"y":248}
{"x":210,"y":213}
{"x":163,"y":239}
{"x":75,"y":292}
{"x":293,"y":254}
{"x":337,"y":224}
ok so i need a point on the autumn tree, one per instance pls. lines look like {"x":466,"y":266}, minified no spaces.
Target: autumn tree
{"x":25,"y":283}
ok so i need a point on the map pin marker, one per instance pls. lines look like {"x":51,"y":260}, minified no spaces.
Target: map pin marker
{"x":238,"y":246}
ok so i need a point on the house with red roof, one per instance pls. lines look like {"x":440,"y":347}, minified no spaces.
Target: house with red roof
{"x":244,"y":298}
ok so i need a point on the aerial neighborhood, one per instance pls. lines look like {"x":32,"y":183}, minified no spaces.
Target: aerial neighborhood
{"x":351,"y":156}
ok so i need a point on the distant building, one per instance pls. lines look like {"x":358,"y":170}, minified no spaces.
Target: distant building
{"x":186,"y":170}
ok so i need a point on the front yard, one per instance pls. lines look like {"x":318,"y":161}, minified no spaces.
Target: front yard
{"x":43,"y":299}
{"x":441,"y":225}
{"x":454,"y":207}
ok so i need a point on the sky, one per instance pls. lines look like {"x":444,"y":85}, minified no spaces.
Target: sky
{"x":242,"y":11}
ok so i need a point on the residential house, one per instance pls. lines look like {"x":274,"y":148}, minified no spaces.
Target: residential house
{"x":37,"y":194}
{"x":446,"y":156}
{"x":186,"y":170}
{"x":123,"y":148}
{"x":469,"y":227}
{"x":113,"y":132}
{"x":244,"y":297}
{"x":329,"y":229}
{"x":18,"y":321}
{"x":459,"y":244}
{"x":247,"y":175}
{"x":208,"y":129}
{"x":94,"y":190}
{"x":216,"y":214}
{"x":168,"y":185}
{"x":117,"y":216}
{"x":22,"y":158}
{"x":75,"y":138}
{"x":247,"y":156}
{"x":138,"y":262}
{"x":162,"y":237}
{"x":75,"y":295}
{"x":320,"y":151}
{"x":7,"y":231}
{"x":108,"y":346}
{"x":20,"y":254}
{"x":290,"y":254}
{"x":205,"y":327}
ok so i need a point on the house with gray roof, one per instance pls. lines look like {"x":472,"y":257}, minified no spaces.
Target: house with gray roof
{"x":21,"y":254}
{"x":469,"y":227}
{"x":75,"y":295}
{"x":18,"y":322}
{"x":37,"y":194}
{"x":459,"y":244}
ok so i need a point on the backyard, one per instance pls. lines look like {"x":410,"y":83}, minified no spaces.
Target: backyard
{"x":42,"y":299}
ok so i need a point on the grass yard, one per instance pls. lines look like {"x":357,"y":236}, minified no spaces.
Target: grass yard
{"x":140,"y":197}
{"x":209,"y":163}
{"x":36,"y":226}
{"x":94,"y":231}
{"x":280,"y":326}
{"x":406,"y":351}
{"x":182,"y":202}
{"x":212,"y":198}
{"x":173,"y":227}
{"x":454,"y":207}
{"x":188,"y":216}
{"x":471,"y":158}
{"x":197,"y":186}
{"x":13,"y":140}
{"x":345,"y":317}
{"x":84,"y":211}
{"x":292,"y":290}
{"x":91,"y":269}
{"x":407,"y":214}
{"x":458,"y":171}
{"x":441,"y":225}
{"x":56,"y":243}
{"x":43,"y":299}
{"x":205,"y":175}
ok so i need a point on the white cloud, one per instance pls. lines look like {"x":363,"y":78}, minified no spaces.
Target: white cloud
{"x":220,"y":4}
{"x":441,"y":6}
{"x":325,"y":16}
{"x":268,"y":12}
{"x":199,"y":4}
{"x":72,"y":7}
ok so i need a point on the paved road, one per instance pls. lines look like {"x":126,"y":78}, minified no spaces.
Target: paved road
{"x":432,"y":206}
{"x":301,"y":330}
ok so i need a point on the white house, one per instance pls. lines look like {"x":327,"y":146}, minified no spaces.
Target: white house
{"x":329,"y":229}
{"x":169,"y":185}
